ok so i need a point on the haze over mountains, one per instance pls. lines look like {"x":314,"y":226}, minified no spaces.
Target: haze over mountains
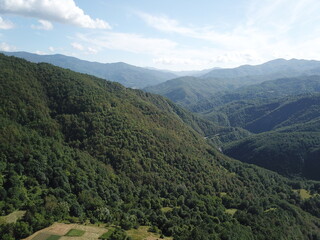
{"x":126,"y":74}
{"x":190,"y":92}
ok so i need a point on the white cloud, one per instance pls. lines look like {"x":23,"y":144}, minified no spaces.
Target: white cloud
{"x":6,"y":47}
{"x":133,"y":43}
{"x":5,"y":24}
{"x":77,"y":46}
{"x":92,"y":50}
{"x":63,"y":11}
{"x":201,"y":58}
{"x":39,"y":52}
{"x":51,"y":49}
{"x":236,"y":38}
{"x":84,"y":49}
{"x":171,"y":61}
{"x":43,"y":25}
{"x":163,"y":23}
{"x":266,"y":32}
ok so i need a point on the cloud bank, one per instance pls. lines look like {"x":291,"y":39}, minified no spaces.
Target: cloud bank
{"x":265,"y":32}
{"x":43,"y":25}
{"x":62,"y":11}
{"x":5,"y":24}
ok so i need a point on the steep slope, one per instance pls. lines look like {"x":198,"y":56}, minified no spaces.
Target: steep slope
{"x":200,"y":94}
{"x":294,"y":154}
{"x":189,"y":91}
{"x":290,"y":134}
{"x":128,"y":75}
{"x":76,"y":147}
{"x":258,"y":116}
{"x":263,"y":92}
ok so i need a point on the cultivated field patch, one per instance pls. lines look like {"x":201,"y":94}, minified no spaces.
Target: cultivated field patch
{"x":75,"y":233}
{"x":142,"y":233}
{"x":62,"y":229}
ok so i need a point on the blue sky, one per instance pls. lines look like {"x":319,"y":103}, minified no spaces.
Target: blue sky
{"x":175,"y":35}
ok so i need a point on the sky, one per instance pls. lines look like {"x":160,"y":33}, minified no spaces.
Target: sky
{"x":167,"y":34}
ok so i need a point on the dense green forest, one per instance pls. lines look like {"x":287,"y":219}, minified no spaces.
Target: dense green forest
{"x":295,"y":154}
{"x":74,"y":147}
{"x":288,"y":136}
{"x":256,"y":115}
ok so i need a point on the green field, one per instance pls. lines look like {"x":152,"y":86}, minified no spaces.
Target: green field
{"x":45,"y":236}
{"x":107,"y":234}
{"x":54,"y":237}
{"x":75,"y":233}
{"x":231,"y":211}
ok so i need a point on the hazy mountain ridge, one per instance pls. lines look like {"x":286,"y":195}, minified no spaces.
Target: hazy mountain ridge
{"x":197,"y":94}
{"x":265,"y":91}
{"x":275,"y":67}
{"x":126,"y":74}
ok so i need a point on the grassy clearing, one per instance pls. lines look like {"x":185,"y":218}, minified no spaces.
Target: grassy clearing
{"x":142,"y":233}
{"x":231,"y":211}
{"x":166,"y":209}
{"x":304,"y":194}
{"x":75,"y":233}
{"x":106,"y":235}
{"x":54,"y":237}
{"x":42,"y":236}
{"x":12,"y":217}
{"x":270,"y":210}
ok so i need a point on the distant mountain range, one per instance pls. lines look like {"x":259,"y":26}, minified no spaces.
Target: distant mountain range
{"x":273,"y":69}
{"x":191,"y":92}
{"x":259,"y":93}
{"x":128,"y":75}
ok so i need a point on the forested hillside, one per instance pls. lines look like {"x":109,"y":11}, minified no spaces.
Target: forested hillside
{"x":294,"y":154}
{"x":259,"y":115}
{"x":76,"y":148}
{"x":289,"y":138}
